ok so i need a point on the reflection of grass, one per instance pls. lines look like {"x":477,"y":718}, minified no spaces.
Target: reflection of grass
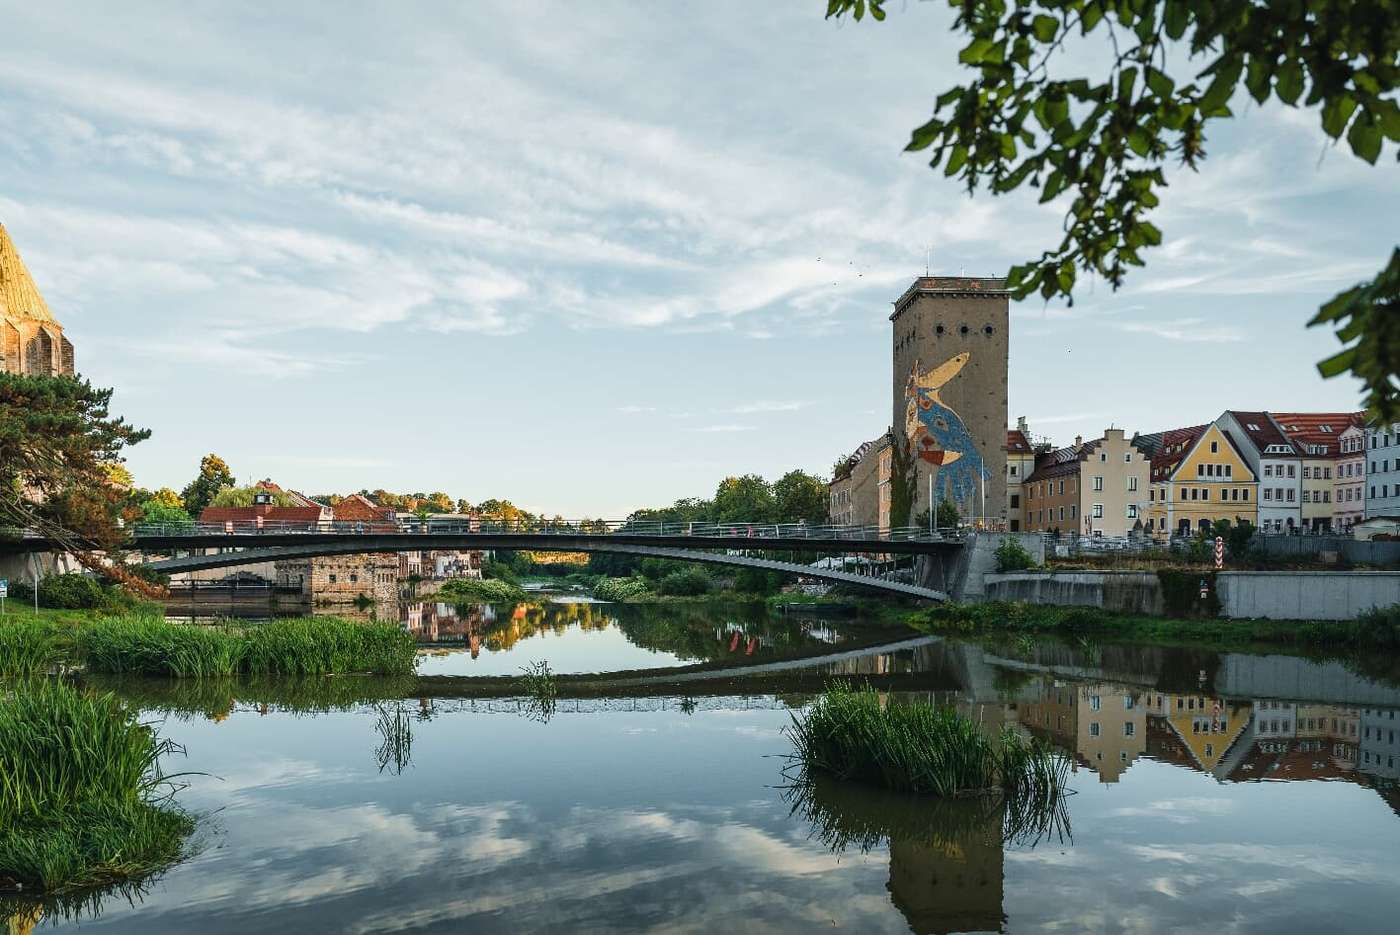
{"x":82,"y":798}
{"x":395,"y":731}
{"x":539,"y":686}
{"x":917,"y":747}
{"x":844,"y":815}
{"x":215,"y":698}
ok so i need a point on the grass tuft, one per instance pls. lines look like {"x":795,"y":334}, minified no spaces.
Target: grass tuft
{"x":29,"y":646}
{"x":83,"y":800}
{"x":848,"y":735}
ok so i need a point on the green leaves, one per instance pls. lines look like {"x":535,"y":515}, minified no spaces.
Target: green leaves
{"x":1289,"y":83}
{"x":1335,"y":114}
{"x":1365,"y":138}
{"x":1222,"y":86}
{"x":1045,"y":27}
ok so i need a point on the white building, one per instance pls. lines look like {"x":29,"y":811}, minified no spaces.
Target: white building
{"x":1277,"y":464}
{"x":1383,"y":471}
{"x":1349,"y":486}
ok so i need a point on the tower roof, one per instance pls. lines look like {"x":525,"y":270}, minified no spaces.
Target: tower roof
{"x":19,"y":297}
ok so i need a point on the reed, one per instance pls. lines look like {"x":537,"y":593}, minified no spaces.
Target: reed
{"x":542,"y":694}
{"x":306,"y":646}
{"x":916,"y":747}
{"x":83,"y":800}
{"x":28,"y":646}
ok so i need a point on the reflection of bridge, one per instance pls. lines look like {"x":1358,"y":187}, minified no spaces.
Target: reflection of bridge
{"x":744,"y":545}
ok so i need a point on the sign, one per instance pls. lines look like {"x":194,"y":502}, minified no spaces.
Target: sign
{"x":1219,"y":552}
{"x":4,"y":592}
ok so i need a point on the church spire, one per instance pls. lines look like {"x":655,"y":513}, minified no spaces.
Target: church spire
{"x":19,"y":297}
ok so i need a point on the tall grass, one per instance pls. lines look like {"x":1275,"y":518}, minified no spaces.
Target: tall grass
{"x":849,"y":735}
{"x":82,"y":796}
{"x":28,"y":646}
{"x":288,"y":647}
{"x":541,"y":692}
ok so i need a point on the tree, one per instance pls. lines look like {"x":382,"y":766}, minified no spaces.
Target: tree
{"x":746,"y":499}
{"x":58,"y":440}
{"x":1105,"y":138}
{"x":799,"y":496}
{"x":164,"y":513}
{"x":439,"y":502}
{"x":214,"y":475}
{"x":167,"y":498}
{"x":243,"y":496}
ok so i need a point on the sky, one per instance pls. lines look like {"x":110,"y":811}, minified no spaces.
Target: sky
{"x":592,"y":257}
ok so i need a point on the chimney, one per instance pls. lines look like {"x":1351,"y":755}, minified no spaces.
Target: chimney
{"x":1023,"y":426}
{"x":1078,"y":440}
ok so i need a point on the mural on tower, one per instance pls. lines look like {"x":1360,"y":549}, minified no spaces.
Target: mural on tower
{"x":937,"y":435}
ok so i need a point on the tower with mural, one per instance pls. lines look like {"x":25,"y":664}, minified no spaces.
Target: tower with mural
{"x":31,"y":339}
{"x":949,"y":392}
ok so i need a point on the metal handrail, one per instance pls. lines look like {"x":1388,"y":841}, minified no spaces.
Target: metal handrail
{"x":593,"y":527}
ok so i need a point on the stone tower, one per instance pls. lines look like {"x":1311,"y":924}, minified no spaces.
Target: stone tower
{"x":950,"y":368}
{"x":31,"y":339}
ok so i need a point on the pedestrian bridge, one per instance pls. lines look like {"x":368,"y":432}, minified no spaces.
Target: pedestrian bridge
{"x":744,"y":545}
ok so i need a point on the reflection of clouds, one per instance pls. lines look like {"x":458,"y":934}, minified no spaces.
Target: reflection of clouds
{"x":1297,"y":859}
{"x":1178,"y":811}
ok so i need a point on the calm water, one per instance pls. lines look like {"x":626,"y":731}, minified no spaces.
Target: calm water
{"x":1206,"y":800}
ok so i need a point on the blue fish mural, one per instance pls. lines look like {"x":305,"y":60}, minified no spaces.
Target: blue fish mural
{"x":937,"y":434}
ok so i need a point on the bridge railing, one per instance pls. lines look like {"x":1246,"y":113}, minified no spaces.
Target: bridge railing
{"x":731,"y":530}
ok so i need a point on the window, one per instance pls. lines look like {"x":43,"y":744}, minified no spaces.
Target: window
{"x":1290,"y":494}
{"x":354,"y":578}
{"x":1268,"y":493}
{"x":1093,"y":728}
{"x":1268,"y":470}
{"x":1062,"y":514}
{"x":1073,"y":511}
{"x":1129,"y":729}
{"x":1103,"y":455}
{"x":1127,"y":457}
{"x":1132,"y":511}
{"x":1290,"y":470}
{"x":1214,"y":447}
{"x":1012,"y":469}
{"x":1095,"y":702}
{"x":1098,"y":482}
{"x":1307,"y":472}
{"x":332,"y":579}
{"x":1015,"y":500}
{"x":1327,"y":496}
{"x":1200,"y":470}
{"x":1132,"y":483}
{"x":1098,"y":511}
{"x":1128,"y":702}
{"x":1062,"y":487}
{"x":1327,"y":473}
{"x":1244,"y":494}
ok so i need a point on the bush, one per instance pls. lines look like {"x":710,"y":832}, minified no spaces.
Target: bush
{"x":689,"y":583}
{"x":1181,"y":593}
{"x":620,"y":589}
{"x":482,"y":591}
{"x":72,"y":592}
{"x":1011,"y":556}
{"x":499,"y":571}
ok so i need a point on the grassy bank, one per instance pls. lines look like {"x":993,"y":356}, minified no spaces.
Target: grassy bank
{"x":481,"y":591}
{"x":82,"y":798}
{"x":849,"y":735}
{"x":152,"y":645}
{"x":1379,"y":629}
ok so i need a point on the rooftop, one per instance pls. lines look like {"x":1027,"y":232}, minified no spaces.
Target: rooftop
{"x":950,"y":285}
{"x":19,"y":297}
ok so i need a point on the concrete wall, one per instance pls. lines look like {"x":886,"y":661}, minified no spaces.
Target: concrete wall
{"x":977,"y":561}
{"x":1381,"y":554}
{"x":1305,"y":595}
{"x":1134,"y":592}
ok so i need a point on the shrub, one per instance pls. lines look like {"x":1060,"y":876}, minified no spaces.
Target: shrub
{"x":71,"y":592}
{"x":917,"y":747}
{"x":1011,"y":556}
{"x":482,"y":591}
{"x":1181,"y":593}
{"x":620,"y":589}
{"x":688,"y":583}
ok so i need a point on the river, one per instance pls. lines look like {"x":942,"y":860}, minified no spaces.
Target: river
{"x":1205,"y":797}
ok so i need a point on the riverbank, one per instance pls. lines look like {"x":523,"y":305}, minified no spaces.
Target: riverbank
{"x":1378,"y":629}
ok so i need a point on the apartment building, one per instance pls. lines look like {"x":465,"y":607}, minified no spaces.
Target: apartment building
{"x":1197,"y":475}
{"x":1317,"y":434}
{"x":1020,"y":464}
{"x":1277,"y":463}
{"x":1383,"y":471}
{"x":1349,"y":486}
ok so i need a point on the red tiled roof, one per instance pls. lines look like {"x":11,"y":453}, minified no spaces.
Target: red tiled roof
{"x":1016,"y":442}
{"x":358,"y":507}
{"x":1317,"y":428}
{"x":1060,"y":462}
{"x":1263,"y":431}
{"x":1173,"y":446}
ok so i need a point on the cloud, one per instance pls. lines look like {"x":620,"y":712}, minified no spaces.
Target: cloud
{"x":769,"y":406}
{"x":634,"y":409}
{"x":723,"y":428}
{"x":1186,"y":330}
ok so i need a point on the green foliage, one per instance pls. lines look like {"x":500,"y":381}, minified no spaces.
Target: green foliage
{"x":758,"y":581}
{"x":498,"y":570}
{"x":81,"y":789}
{"x":1104,"y":138}
{"x":29,"y":646}
{"x":916,"y":747}
{"x":72,"y":592}
{"x":1012,"y":557}
{"x":243,"y":496}
{"x":689,"y":582}
{"x":214,"y":475}
{"x":745,"y":499}
{"x":158,"y":512}
{"x":538,"y":684}
{"x":901,"y":484}
{"x":135,"y":645}
{"x":947,"y":516}
{"x":58,"y":442}
{"x":798,"y":497}
{"x":483,"y":591}
{"x":620,"y":589}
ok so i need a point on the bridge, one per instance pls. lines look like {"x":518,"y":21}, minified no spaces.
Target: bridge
{"x":731,"y":544}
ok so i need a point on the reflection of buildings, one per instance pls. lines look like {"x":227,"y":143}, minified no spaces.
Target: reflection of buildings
{"x":1380,"y":756}
{"x":1105,"y":725}
{"x":1195,"y":730}
{"x":950,"y":886}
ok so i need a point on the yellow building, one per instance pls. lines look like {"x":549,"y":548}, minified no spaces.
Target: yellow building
{"x":1112,"y":729}
{"x":1205,"y":727}
{"x":31,"y":339}
{"x":1197,"y":476}
{"x":1020,"y":464}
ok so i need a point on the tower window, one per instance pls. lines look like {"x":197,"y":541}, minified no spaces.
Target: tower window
{"x":964,"y":330}
{"x":939,"y":329}
{"x":987,"y":330}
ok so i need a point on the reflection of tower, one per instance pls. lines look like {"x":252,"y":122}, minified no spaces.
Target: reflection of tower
{"x":953,"y":886}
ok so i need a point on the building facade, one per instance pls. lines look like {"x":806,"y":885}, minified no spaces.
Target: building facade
{"x":1349,"y":488}
{"x":1318,"y":434}
{"x":1198,"y":475}
{"x":1383,"y":471}
{"x":31,"y":339}
{"x":1277,"y":463}
{"x":859,"y":493}
{"x":1020,"y":464}
{"x":1098,"y":488}
{"x":949,"y":337}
